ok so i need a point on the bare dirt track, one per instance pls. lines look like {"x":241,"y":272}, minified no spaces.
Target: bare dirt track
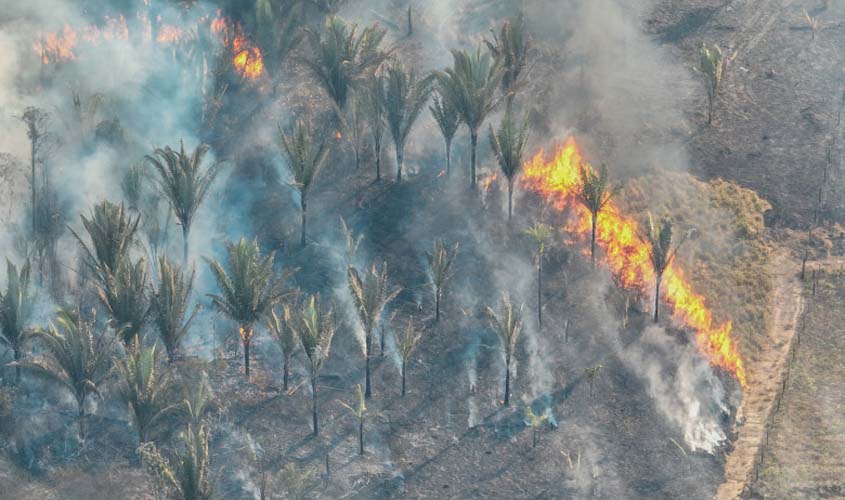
{"x":765,"y":378}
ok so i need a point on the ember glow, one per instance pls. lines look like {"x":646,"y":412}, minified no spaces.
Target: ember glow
{"x":558,"y":181}
{"x":64,"y":45}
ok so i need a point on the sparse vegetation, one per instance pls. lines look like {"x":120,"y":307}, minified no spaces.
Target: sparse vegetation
{"x":507,"y":324}
{"x":440,"y":261}
{"x":169,"y":306}
{"x":405,"y":97}
{"x":145,"y":387}
{"x":315,"y":326}
{"x":541,"y":234}
{"x":360,"y":413}
{"x":370,"y":295}
{"x":16,"y":307}
{"x":508,"y":144}
{"x":661,"y":251}
{"x":406,"y":344}
{"x":279,"y":326}
{"x":711,"y":64}
{"x":248,"y":290}
{"x":448,"y":121}
{"x":184,"y":184}
{"x":595,"y":193}
{"x":511,"y":46}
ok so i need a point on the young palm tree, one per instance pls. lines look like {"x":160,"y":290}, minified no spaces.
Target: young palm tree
{"x":470,"y":86}
{"x":248,"y":290}
{"x":355,"y":125}
{"x":658,"y":238}
{"x":508,"y":326}
{"x":405,"y":97}
{"x":712,"y":66}
{"x":352,"y":242}
{"x":279,"y":326}
{"x":144,"y":387}
{"x":508,"y":145}
{"x":440,"y":261}
{"x":511,"y":46}
{"x":16,"y":306}
{"x":189,"y":478}
{"x":595,"y":193}
{"x":112,"y":234}
{"x":183,"y":183}
{"x":534,"y":421}
{"x":541,"y":234}
{"x":360,"y":412}
{"x":74,"y":356}
{"x":592,"y":373}
{"x":448,"y":120}
{"x":370,"y":296}
{"x":169,"y":305}
{"x":341,"y":57}
{"x":305,"y":159}
{"x":125,"y":299}
{"x":315,"y":327}
{"x":376,"y":120}
{"x":406,"y":344}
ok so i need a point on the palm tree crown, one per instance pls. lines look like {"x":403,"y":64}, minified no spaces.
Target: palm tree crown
{"x":183,"y":182}
{"x":169,"y":305}
{"x":508,"y":145}
{"x":112,"y":234}
{"x":405,"y":97}
{"x":16,"y":306}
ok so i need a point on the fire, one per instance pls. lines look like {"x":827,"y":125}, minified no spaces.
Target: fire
{"x":489,"y":180}
{"x":558,"y":181}
{"x":63,"y":45}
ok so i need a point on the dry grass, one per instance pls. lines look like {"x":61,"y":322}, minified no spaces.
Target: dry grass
{"x":805,"y":457}
{"x":727,"y":252}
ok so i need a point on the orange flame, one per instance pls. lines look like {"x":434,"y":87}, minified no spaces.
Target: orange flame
{"x":62,"y":46}
{"x":489,"y":180}
{"x":558,"y":181}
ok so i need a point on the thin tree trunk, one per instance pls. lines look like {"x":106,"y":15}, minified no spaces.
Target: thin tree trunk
{"x":286,"y":371}
{"x":304,"y":221}
{"x":186,"y":233}
{"x":403,"y":377}
{"x":508,"y":382}
{"x":437,"y":294}
{"x":400,"y":154}
{"x":657,"y":296}
{"x":314,"y":406}
{"x":378,"y":160}
{"x":381,"y":342}
{"x":81,"y":420}
{"x":510,"y":199}
{"x":448,"y":158}
{"x":473,"y":145}
{"x":357,"y":157}
{"x":540,"y":290}
{"x":32,"y":179}
{"x":361,"y":436}
{"x":534,"y":438}
{"x":367,"y":345}
{"x":17,"y":354}
{"x":593,"y":239}
{"x":246,"y":358}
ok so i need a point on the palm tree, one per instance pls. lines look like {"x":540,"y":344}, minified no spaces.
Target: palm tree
{"x":711,"y":65}
{"x":16,"y":307}
{"x":112,"y":234}
{"x":592,"y":373}
{"x":360,"y":412}
{"x":305,"y":159}
{"x":144,"y":387}
{"x":125,"y":299}
{"x":283,"y":333}
{"x":315,"y":327}
{"x":183,"y":183}
{"x":448,"y":120}
{"x":440,"y":261}
{"x":370,"y":296}
{"x":508,"y":326}
{"x":508,"y":145}
{"x":189,"y":478}
{"x":511,"y":47}
{"x":534,"y":421}
{"x":248,"y":290}
{"x":76,"y":357}
{"x":406,"y":343}
{"x":660,"y":251}
{"x":541,"y":234}
{"x":354,"y":124}
{"x":341,"y":57}
{"x":169,"y":305}
{"x":375,"y":113}
{"x":405,"y":97}
{"x":470,"y":86}
{"x":594,"y":193}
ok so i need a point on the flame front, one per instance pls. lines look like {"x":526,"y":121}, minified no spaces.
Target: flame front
{"x":558,"y":181}
{"x":53,"y":47}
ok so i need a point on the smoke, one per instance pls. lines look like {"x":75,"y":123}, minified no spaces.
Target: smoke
{"x":683,"y":386}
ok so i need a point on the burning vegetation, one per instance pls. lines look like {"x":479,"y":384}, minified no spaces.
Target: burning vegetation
{"x":211,"y":315}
